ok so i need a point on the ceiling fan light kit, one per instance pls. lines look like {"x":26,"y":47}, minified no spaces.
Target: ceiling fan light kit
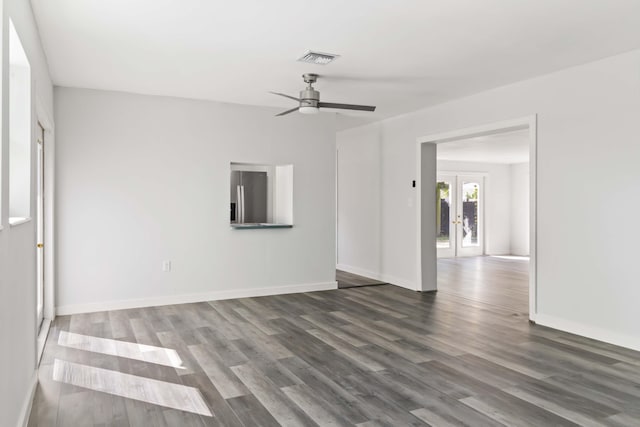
{"x":308,"y":110}
{"x":309,"y":101}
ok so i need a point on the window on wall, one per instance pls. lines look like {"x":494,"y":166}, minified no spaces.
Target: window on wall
{"x":19,"y":131}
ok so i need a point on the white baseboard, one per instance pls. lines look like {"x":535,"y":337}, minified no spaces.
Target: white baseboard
{"x":25,"y":411}
{"x":377,"y":276}
{"x":359,"y":271}
{"x":191,"y":298}
{"x":399,"y":282}
{"x":604,"y":335}
{"x":42,"y":338}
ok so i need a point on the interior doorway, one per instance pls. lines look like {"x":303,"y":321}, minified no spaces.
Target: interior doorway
{"x":482,"y":218}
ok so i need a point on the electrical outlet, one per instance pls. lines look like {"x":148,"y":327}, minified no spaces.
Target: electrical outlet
{"x":166,"y":266}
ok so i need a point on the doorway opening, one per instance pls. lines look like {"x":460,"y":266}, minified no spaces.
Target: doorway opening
{"x":477,"y":235}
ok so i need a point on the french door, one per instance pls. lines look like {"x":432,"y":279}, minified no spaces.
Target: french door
{"x":459,"y":215}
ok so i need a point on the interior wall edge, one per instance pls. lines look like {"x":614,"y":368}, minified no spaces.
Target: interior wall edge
{"x":193,"y":298}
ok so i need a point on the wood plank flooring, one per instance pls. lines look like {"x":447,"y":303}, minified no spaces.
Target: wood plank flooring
{"x":371,"y":356}
{"x":349,"y":280}
{"x":497,"y":281}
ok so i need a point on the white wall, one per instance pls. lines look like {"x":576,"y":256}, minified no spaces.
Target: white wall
{"x":359,"y":190}
{"x":283,"y":195}
{"x":497,"y":199}
{"x":587,"y":150}
{"x":519,"y":209}
{"x":142,"y":179}
{"x":17,"y":244}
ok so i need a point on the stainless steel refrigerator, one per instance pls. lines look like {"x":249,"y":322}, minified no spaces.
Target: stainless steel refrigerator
{"x":248,"y":197}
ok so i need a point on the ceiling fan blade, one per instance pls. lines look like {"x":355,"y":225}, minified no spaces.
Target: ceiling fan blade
{"x":287,"y":112}
{"x":346,"y":106}
{"x":286,"y":96}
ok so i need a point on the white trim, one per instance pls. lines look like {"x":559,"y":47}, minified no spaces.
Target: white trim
{"x":23,"y":419}
{"x":482,"y":130}
{"x":42,"y":338}
{"x":528,"y":122}
{"x":15,"y":221}
{"x":407,"y":284}
{"x":191,"y":298}
{"x":46,"y":120}
{"x":600,"y":334}
{"x":533,"y":217}
{"x":396,"y":281}
{"x":360,"y":271}
{"x":449,"y":172}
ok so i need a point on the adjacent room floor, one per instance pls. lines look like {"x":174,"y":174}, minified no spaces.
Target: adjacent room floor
{"x":495,"y":281}
{"x":370,"y":356}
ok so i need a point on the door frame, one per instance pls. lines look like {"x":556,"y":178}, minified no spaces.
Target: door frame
{"x":40,"y":217}
{"x":484,"y":176}
{"x":425,"y":181}
{"x":45,"y":119}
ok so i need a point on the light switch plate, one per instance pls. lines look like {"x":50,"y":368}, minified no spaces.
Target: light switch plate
{"x":166,"y":266}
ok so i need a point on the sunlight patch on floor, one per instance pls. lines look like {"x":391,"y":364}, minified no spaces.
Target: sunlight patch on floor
{"x":170,"y":395}
{"x":129,"y":350}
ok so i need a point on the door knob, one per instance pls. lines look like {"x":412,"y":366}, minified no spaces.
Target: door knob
{"x":40,"y":245}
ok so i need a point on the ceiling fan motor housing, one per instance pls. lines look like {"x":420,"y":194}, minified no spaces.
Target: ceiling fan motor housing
{"x":309,"y":97}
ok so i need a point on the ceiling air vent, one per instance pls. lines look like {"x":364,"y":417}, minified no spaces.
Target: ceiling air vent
{"x":317,"y":58}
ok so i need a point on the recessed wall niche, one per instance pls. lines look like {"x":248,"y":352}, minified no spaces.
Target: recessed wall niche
{"x":261,"y":196}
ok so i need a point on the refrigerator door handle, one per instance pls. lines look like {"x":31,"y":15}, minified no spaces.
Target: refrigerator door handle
{"x":242,"y":204}
{"x":238,"y":205}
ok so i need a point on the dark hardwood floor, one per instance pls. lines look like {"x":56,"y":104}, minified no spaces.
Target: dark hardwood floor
{"x":371,"y":356}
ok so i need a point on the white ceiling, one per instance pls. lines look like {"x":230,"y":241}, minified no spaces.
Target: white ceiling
{"x":398,"y":55}
{"x":504,"y":148}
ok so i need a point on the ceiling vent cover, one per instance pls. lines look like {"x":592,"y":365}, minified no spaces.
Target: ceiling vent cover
{"x":317,"y":58}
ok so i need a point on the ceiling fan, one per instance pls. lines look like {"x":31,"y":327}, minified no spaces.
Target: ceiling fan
{"x":310,"y":100}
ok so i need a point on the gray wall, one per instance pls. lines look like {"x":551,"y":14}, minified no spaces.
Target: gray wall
{"x":142,"y":179}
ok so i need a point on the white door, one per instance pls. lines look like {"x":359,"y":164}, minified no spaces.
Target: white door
{"x":40,"y":228}
{"x":459,"y":215}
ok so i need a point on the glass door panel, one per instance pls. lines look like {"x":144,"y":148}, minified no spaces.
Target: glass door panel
{"x":470,"y":210}
{"x":445,"y":216}
{"x":470,"y":213}
{"x":443,"y":213}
